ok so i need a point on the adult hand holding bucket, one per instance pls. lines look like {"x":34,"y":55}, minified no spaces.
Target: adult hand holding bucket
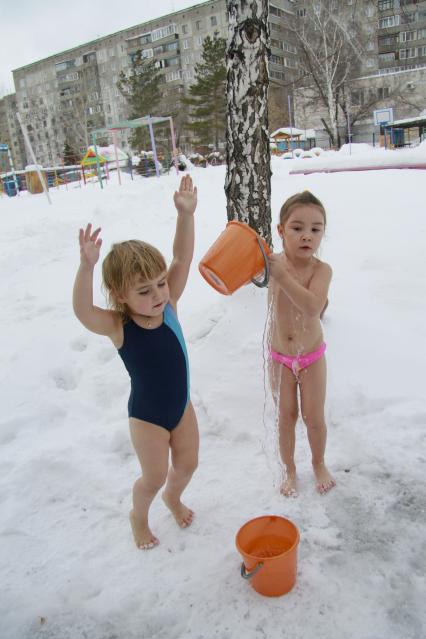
{"x":237,"y":256}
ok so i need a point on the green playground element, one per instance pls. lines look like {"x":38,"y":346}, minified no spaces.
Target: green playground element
{"x":122,"y":125}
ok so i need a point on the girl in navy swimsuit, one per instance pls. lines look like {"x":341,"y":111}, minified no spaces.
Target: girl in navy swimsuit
{"x":143,"y":325}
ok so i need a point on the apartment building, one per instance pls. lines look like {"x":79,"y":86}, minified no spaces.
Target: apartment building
{"x":73,"y":92}
{"x":400,"y":79}
{"x":392,"y":73}
{"x":401,"y":35}
{"x":10,"y":133}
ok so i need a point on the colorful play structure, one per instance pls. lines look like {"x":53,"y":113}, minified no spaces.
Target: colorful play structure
{"x":288,"y":138}
{"x":9,"y":180}
{"x":96,"y":163}
{"x":148,"y":121}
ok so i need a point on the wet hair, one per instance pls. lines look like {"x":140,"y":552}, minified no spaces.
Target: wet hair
{"x":306,"y":197}
{"x":125,"y":262}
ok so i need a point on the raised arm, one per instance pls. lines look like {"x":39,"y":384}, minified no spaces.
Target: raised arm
{"x":97,"y":320}
{"x":310,"y":301}
{"x":183,"y":246}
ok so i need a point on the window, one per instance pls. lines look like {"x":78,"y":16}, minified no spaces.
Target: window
{"x":174,"y":75}
{"x":198,"y":25}
{"x":290,"y":63}
{"x":213,"y":21}
{"x":382,"y":93}
{"x":184,"y":28}
{"x":390,"y":21}
{"x":408,"y":53}
{"x":388,"y":40}
{"x":187,"y":75}
{"x":289,"y":47}
{"x":89,"y":57}
{"x":171,"y":62}
{"x":407,"y":36}
{"x":157,"y":34}
{"x":421,"y":51}
{"x":185,"y":44}
{"x":387,"y":57}
{"x":147,"y":53}
{"x":199,"y":40}
{"x":62,"y":66}
{"x":301,"y":13}
{"x":385,"y":5}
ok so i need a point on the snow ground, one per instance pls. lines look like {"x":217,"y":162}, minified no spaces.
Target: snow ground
{"x":68,"y":564}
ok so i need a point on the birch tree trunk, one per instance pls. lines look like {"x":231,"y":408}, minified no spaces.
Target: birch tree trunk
{"x":248,"y":176}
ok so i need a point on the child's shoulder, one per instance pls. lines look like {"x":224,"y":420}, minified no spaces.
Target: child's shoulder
{"x":323,"y":267}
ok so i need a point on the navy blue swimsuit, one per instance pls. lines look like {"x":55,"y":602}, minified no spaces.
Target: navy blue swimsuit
{"x":157,"y":362}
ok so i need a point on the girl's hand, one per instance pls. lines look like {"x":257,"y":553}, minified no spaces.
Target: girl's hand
{"x":280,"y":268}
{"x":277,"y":266}
{"x":90,"y":245}
{"x":186,"y":198}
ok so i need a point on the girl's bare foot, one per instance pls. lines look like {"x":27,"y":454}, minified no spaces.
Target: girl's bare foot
{"x":180,"y":512}
{"x":325,"y":481}
{"x":288,"y":487}
{"x":144,"y":538}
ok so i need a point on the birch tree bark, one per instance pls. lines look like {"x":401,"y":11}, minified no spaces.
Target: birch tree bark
{"x":248,"y":176}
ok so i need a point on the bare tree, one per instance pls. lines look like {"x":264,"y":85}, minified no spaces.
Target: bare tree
{"x":77,"y":122}
{"x":331,"y":48}
{"x":248,"y":177}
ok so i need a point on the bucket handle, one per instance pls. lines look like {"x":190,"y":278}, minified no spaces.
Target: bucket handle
{"x":251,"y":573}
{"x":265,"y":280}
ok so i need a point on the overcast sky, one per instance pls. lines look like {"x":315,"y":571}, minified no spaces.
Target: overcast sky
{"x":31,"y":30}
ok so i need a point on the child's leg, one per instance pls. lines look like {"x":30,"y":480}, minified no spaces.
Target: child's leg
{"x":184,"y":442}
{"x":312,"y":395}
{"x":151,"y":444}
{"x":284,"y":391}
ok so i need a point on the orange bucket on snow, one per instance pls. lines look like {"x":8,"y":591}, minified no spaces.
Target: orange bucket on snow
{"x":235,"y":258}
{"x":268,"y":546}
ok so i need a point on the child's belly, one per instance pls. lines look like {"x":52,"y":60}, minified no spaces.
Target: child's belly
{"x":290,"y":339}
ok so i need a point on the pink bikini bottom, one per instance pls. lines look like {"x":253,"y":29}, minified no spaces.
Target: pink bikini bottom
{"x":297,"y":362}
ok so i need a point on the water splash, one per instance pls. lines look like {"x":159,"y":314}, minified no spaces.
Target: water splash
{"x":271,"y":388}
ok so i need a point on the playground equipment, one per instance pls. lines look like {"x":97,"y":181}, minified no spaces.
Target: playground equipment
{"x":148,"y":121}
{"x":30,"y":148}
{"x":90,"y":163}
{"x":36,"y":181}
{"x":268,"y":546}
{"x":9,"y":181}
{"x":237,"y":256}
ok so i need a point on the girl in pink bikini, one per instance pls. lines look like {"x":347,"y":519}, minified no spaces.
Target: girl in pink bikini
{"x":298,"y":292}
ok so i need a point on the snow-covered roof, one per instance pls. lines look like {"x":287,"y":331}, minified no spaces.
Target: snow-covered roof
{"x":108,"y":152}
{"x":419,"y":119}
{"x":302,"y":134}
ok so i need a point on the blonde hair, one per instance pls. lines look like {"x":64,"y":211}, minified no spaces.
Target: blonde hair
{"x":306,"y":197}
{"x":124,"y":263}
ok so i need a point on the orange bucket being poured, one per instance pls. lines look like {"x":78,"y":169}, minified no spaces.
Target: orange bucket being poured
{"x":235,"y":258}
{"x":268,"y":546}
